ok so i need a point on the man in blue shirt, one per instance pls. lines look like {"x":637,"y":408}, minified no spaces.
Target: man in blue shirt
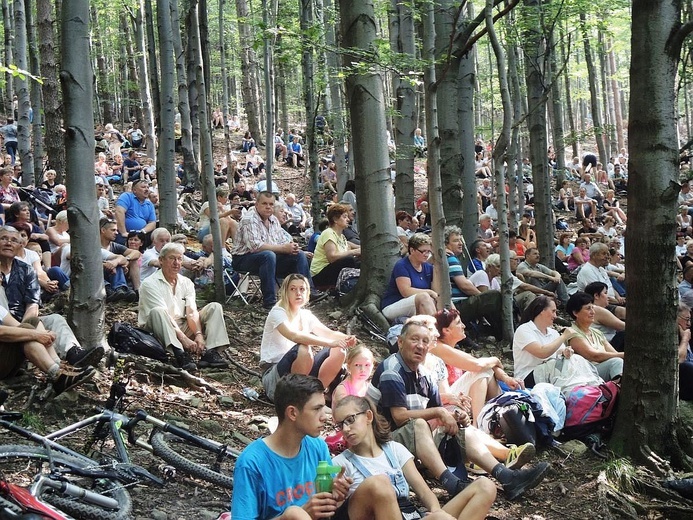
{"x":274,"y":477}
{"x":134,"y":211}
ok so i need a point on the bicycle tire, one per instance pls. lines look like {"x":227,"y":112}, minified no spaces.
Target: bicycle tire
{"x":162,"y":448}
{"x":71,"y":505}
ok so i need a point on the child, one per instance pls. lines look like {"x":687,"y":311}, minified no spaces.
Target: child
{"x":359,"y":362}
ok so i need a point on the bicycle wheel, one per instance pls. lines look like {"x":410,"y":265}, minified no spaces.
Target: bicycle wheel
{"x":21,"y":463}
{"x":192,"y":460}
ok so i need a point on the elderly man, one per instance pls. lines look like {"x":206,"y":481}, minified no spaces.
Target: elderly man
{"x":118,"y":258}
{"x":22,"y":298}
{"x":297,"y":217}
{"x":406,"y":395}
{"x":591,"y":189}
{"x":150,"y":258}
{"x":541,"y":276}
{"x":265,"y":249}
{"x":594,"y":271}
{"x":134,"y":211}
{"x":168,"y":309}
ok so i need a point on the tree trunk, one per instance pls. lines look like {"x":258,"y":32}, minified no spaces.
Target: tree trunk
{"x":312,"y":163}
{"x":151,"y":66}
{"x":35,"y":94}
{"x":366,"y":101}
{"x":206,"y":154}
{"x":53,"y":137}
{"x":569,"y":101}
{"x":203,"y":25}
{"x":123,"y":80}
{"x":648,"y":404}
{"x":165,"y":160}
{"x":193,"y":85}
{"x":269,"y":91}
{"x":597,"y":123}
{"x":144,"y":77}
{"x":615,"y":92}
{"x":609,"y":127}
{"x":514,"y":160}
{"x":85,"y":313}
{"x":558,"y":128}
{"x":22,"y":84}
{"x":283,"y":106}
{"x":535,"y":47}
{"x":230,"y":168}
{"x":250,"y":101}
{"x":465,"y":115}
{"x":102,"y":88}
{"x":134,"y":79}
{"x":402,"y":42}
{"x":191,"y":175}
{"x":435,"y":195}
{"x":8,"y":24}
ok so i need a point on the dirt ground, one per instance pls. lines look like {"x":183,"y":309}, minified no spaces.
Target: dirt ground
{"x":219,"y":409}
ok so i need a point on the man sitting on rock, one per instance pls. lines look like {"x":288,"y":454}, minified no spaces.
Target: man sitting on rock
{"x":168,"y":309}
{"x":541,"y":276}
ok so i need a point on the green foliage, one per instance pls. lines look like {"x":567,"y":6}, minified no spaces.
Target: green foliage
{"x":32,"y":422}
{"x":623,"y":474}
{"x":19,"y":73}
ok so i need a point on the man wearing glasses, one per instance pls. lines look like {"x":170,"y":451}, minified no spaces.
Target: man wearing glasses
{"x":410,"y":289}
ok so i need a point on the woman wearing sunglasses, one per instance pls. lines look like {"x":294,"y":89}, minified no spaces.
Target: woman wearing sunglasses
{"x":371,"y":452}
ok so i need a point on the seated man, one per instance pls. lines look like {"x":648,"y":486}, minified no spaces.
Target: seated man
{"x":485,"y":231}
{"x":609,"y":319}
{"x":22,"y":291}
{"x":168,"y":310}
{"x":541,"y":276}
{"x":406,"y":395}
{"x":23,"y":341}
{"x":479,"y":253}
{"x":117,"y":259}
{"x":266,"y":250}
{"x":297,"y":217}
{"x":524,"y":293}
{"x":150,"y":258}
{"x":594,"y":271}
{"x":274,"y":477}
{"x":134,"y":211}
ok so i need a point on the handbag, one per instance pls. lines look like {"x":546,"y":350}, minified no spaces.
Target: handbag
{"x":451,"y":453}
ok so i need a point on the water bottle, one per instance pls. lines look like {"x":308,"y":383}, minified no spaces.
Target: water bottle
{"x":323,"y":479}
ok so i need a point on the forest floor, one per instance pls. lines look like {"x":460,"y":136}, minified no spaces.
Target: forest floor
{"x":576,"y":487}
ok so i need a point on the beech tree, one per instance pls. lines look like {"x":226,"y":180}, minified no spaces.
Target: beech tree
{"x":24,"y":150}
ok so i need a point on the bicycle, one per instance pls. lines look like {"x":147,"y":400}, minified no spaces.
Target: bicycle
{"x":183,"y":450}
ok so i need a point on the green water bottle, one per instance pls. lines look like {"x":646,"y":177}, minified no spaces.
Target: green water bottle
{"x":323,"y":478}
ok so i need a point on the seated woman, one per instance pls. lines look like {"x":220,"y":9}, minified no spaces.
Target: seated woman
{"x":526,"y":232}
{"x":52,"y":279}
{"x":535,"y":340}
{"x":685,"y":355}
{"x":565,"y":247}
{"x":58,"y":235}
{"x":612,"y":207}
{"x":295,"y":152}
{"x":116,"y":175}
{"x":372,"y":452}
{"x":481,"y":167}
{"x":404,"y":223}
{"x":684,"y":221}
{"x":255,"y":165}
{"x":589,"y":342}
{"x":217,"y":118}
{"x":49,"y":180}
{"x":607,"y":229}
{"x":290,"y":333}
{"x":566,"y":199}
{"x":229,"y":227}
{"x":476,"y":377}
{"x":359,"y":363}
{"x":8,"y":193}
{"x":419,"y":144}
{"x":248,"y":142}
{"x":409,"y":290}
{"x":423,"y":216}
{"x":21,"y":212}
{"x":332,"y":252}
{"x":580,"y":254}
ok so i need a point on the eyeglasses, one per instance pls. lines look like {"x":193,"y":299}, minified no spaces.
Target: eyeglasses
{"x":348,"y":420}
{"x":687,"y":319}
{"x":426,"y":252}
{"x":10,"y":239}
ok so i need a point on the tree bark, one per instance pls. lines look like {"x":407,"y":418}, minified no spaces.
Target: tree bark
{"x":24,"y":152}
{"x":165,"y":160}
{"x":250,"y":100}
{"x":134,"y":79}
{"x":35,"y":93}
{"x":103,"y":90}
{"x":8,"y":24}
{"x":615,"y":90}
{"x":191,"y":173}
{"x":144,"y":77}
{"x":53,"y":138}
{"x":269,"y":90}
{"x":308,"y":68}
{"x":230,"y":168}
{"x":193,"y":86}
{"x":569,"y":101}
{"x":402,"y":42}
{"x":365,"y":98}
{"x":557,"y":103}
{"x":649,"y":396}
{"x":85,"y":313}
{"x":514,"y":160}
{"x":597,"y":122}
{"x":465,"y":115}
{"x":152,"y":68}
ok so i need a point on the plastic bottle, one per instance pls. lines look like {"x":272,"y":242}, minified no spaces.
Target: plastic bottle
{"x":323,"y":478}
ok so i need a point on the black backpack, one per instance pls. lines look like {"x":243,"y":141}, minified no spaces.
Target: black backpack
{"x":127,"y":339}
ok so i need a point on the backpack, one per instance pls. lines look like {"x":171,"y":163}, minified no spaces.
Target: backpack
{"x":347,"y":280}
{"x":590,"y":409}
{"x":127,"y":339}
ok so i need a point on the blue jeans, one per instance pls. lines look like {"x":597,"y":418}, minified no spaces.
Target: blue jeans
{"x":115,"y":279}
{"x":56,"y":273}
{"x":270,"y":266}
{"x":618,"y":287}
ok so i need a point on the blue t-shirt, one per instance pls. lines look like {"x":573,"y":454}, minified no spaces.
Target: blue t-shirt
{"x":137,"y":214}
{"x":419,"y":280}
{"x":455,"y":269}
{"x":266,"y":484}
{"x":474,"y":265}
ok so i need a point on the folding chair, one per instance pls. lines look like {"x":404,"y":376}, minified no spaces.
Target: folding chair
{"x":246,"y":287}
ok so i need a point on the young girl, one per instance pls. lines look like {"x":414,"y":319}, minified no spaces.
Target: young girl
{"x":371,"y":452}
{"x":359,"y":362}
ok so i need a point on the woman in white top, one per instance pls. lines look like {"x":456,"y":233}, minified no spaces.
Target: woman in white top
{"x":371,"y":451}
{"x":289,"y":335}
{"x":607,"y":229}
{"x":535,"y":340}
{"x":684,"y":221}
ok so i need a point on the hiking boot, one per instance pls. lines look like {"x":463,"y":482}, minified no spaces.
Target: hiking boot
{"x":113,"y":295}
{"x":68,"y":380}
{"x":79,"y":357}
{"x":318,"y":296}
{"x":212,"y":359}
{"x":129,"y":295}
{"x":525,"y":479}
{"x":182,"y":360}
{"x":520,"y":455}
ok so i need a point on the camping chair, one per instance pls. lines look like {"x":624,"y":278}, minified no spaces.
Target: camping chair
{"x":244,"y":287}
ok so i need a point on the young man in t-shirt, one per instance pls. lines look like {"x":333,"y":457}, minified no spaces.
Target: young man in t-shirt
{"x":274,"y":476}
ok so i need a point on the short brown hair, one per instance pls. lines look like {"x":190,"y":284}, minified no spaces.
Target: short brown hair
{"x":335,"y":211}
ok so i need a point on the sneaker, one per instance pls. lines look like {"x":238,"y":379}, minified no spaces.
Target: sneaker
{"x":79,"y":357}
{"x":113,"y":295}
{"x":318,"y":296}
{"x":212,"y":359}
{"x":474,"y":469}
{"x":182,"y":360}
{"x":525,"y":479}
{"x":520,"y":455}
{"x":129,"y":295}
{"x":68,"y":380}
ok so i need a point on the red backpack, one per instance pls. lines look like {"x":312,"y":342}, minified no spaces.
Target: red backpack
{"x":590,"y":409}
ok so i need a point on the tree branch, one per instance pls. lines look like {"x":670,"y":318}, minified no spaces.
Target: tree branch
{"x":471,"y":40}
{"x":677,"y":38}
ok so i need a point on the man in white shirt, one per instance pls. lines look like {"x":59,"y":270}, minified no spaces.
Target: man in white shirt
{"x":594,"y":271}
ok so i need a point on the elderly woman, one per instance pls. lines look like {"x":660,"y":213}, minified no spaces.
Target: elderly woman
{"x":536,"y":340}
{"x":229,"y":227}
{"x":589,"y":342}
{"x":8,"y":193}
{"x":332,"y":252}
{"x":409,"y":291}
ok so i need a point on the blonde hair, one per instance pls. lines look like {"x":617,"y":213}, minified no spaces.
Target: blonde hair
{"x":283,"y":301}
{"x":357,"y":351}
